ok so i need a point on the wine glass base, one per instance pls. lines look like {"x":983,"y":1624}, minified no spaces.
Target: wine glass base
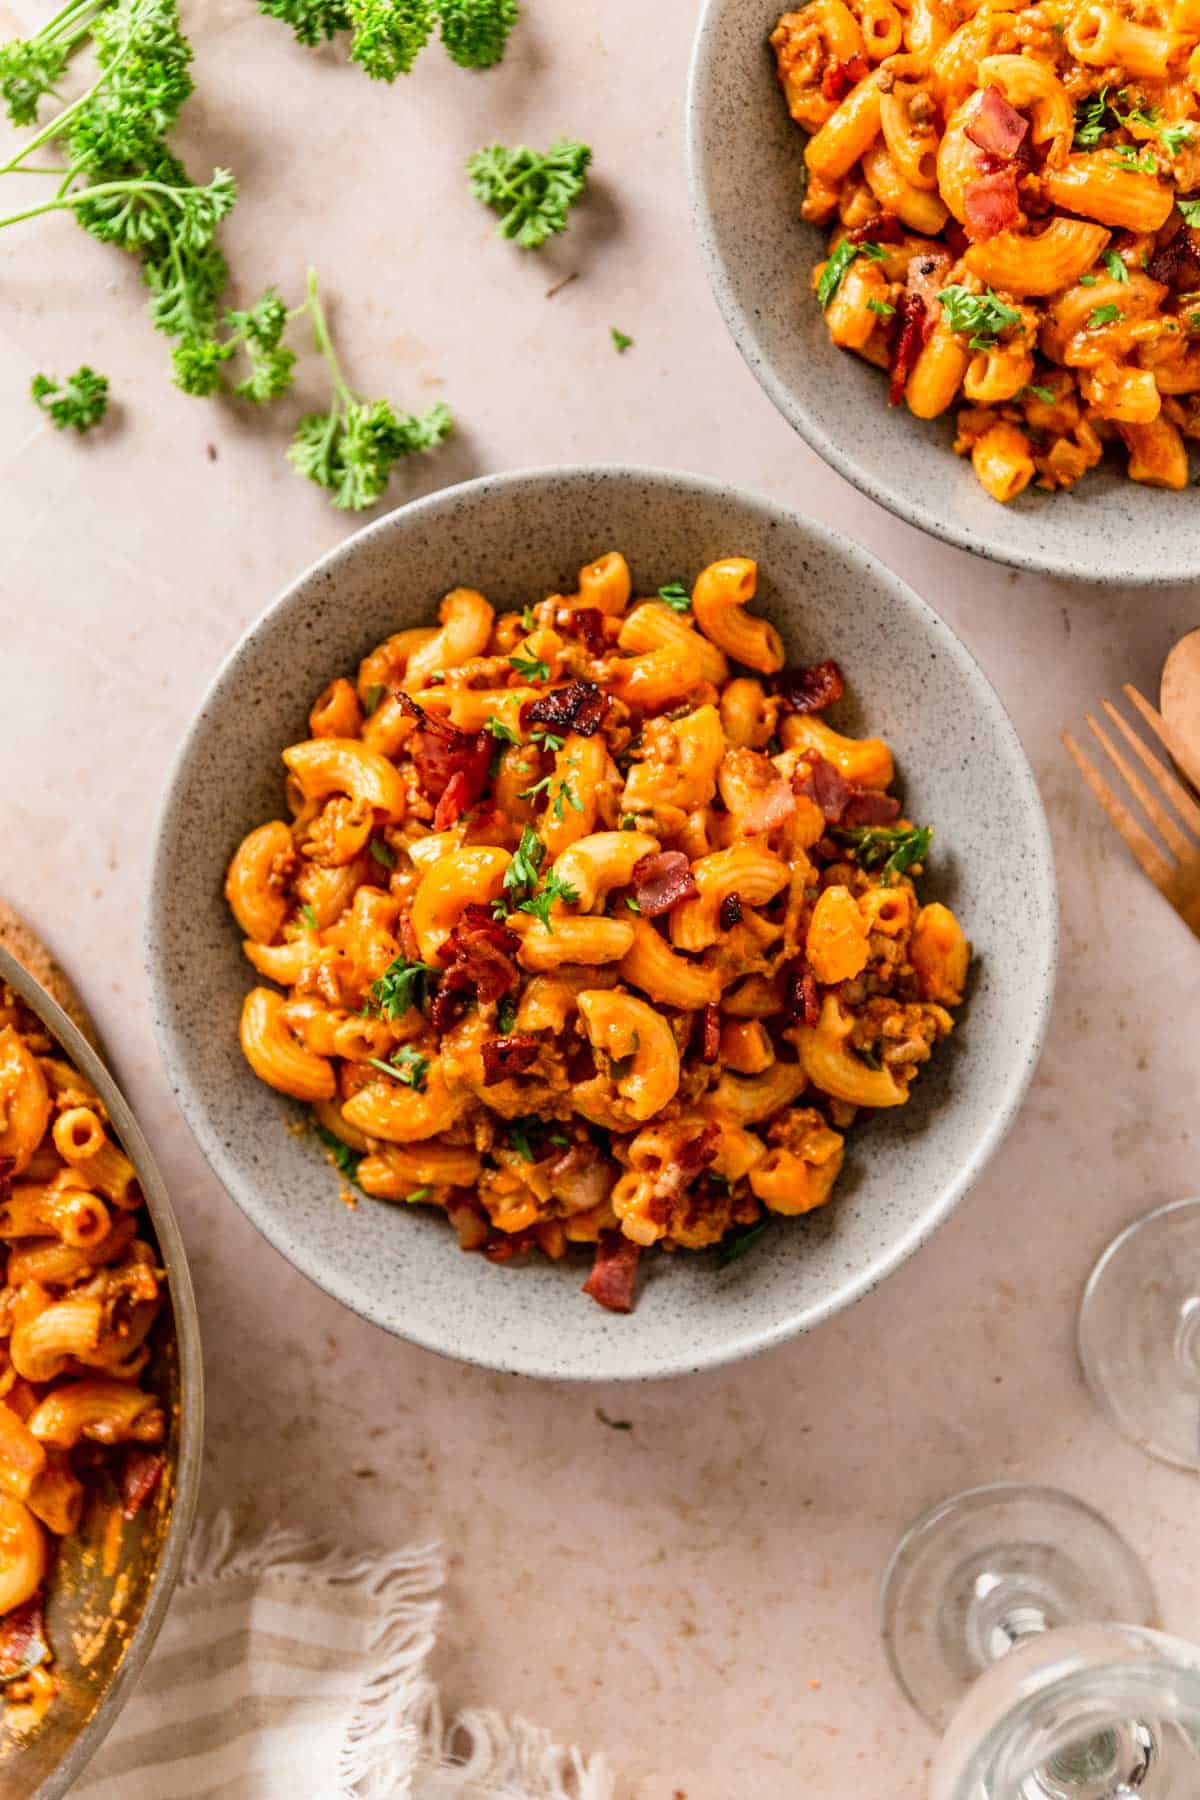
{"x":994,"y":1565}
{"x":1139,"y":1333}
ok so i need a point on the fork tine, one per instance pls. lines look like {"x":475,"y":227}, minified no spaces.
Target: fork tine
{"x":1166,"y":735}
{"x":1133,"y":781}
{"x":1153,"y":863}
{"x":1189,"y":812}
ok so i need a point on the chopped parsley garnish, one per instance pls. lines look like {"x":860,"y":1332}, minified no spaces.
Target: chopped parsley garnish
{"x":622,"y":340}
{"x":865,"y":1054}
{"x":419,"y":1193}
{"x":553,"y":888}
{"x":546,"y":739}
{"x":984,"y":315}
{"x":884,"y":308}
{"x":522,"y":872}
{"x":565,"y":792}
{"x":343,"y":1157}
{"x":533,"y":191}
{"x":374,"y":695}
{"x":735,"y":1247}
{"x":1088,"y":280}
{"x":532,"y":667}
{"x":1190,"y":210}
{"x":632,"y":904}
{"x":527,"y":619}
{"x":1089,"y":120}
{"x":839,"y":261}
{"x":894,"y":848}
{"x":539,"y":787}
{"x":407,"y":1065}
{"x":382,"y":854}
{"x":499,"y":730}
{"x":520,"y":1131}
{"x":676,"y":596}
{"x":309,"y":917}
{"x":1138,"y":163}
{"x":506,"y":1016}
{"x":402,"y":984}
{"x":1116,"y":265}
{"x":81,"y":400}
{"x":1104,"y":315}
{"x":1175,"y":137}
{"x":628,"y":822}
{"x":1046,"y":395}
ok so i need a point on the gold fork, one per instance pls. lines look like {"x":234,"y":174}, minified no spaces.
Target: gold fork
{"x":1176,"y":876}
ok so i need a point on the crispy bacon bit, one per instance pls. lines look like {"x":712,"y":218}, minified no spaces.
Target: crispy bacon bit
{"x":991,"y":204}
{"x":702,"y":1150}
{"x":801,"y":1000}
{"x":1177,"y":264}
{"x":479,"y":956}
{"x":712,"y":1034}
{"x":141,"y":1474}
{"x":7,"y":1165}
{"x":842,"y":74}
{"x":811,"y":689}
{"x":995,"y":126}
{"x":451,"y":765}
{"x":731,"y":911}
{"x":661,"y":880}
{"x":589,"y":622}
{"x":505,"y":1056}
{"x":472,"y":1226}
{"x":406,"y":931}
{"x":23,"y":1638}
{"x":914,"y":322}
{"x":884,"y":228}
{"x":580,"y":706}
{"x":824,"y":784}
{"x":614,"y":1271}
{"x":866,"y":806}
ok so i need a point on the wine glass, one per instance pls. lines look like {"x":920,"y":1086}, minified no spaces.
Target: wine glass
{"x":1016,"y":1620}
{"x":1139,"y":1333}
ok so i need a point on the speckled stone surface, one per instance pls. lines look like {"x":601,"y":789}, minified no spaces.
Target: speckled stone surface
{"x":747,"y":172}
{"x":698,"y":1592}
{"x":518,"y":538}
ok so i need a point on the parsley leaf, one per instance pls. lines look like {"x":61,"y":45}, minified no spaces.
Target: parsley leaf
{"x":521,"y":1130}
{"x":539,"y":904}
{"x":839,"y":261}
{"x":539,"y":787}
{"x":632,"y":904}
{"x":735,"y":1247}
{"x":1190,"y":209}
{"x":1116,"y":265}
{"x":382,"y":854}
{"x":1175,"y":137}
{"x":894,"y":847}
{"x":565,"y":792}
{"x":1089,"y":120}
{"x":506,"y":1016}
{"x":528,"y":857}
{"x":532,"y":667}
{"x":532,"y":191}
{"x":1088,"y":280}
{"x":542,"y":735}
{"x":389,"y":35}
{"x":418,"y":1194}
{"x":984,"y":315}
{"x":407,"y":1066}
{"x":341,"y":1155}
{"x":402,"y":984}
{"x":622,"y":341}
{"x":1126,"y":157}
{"x":1104,"y":315}
{"x":374,"y":695}
{"x":81,"y":400}
{"x":309,"y":917}
{"x":884,"y":308}
{"x":502,"y":732}
{"x":1045,"y":394}
{"x":475,"y":32}
{"x":676,"y":596}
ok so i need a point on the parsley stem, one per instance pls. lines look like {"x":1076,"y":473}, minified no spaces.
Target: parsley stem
{"x":100,"y":191}
{"x":324,"y":342}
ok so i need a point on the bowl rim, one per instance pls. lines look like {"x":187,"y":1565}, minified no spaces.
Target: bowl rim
{"x":741,"y":326}
{"x":738,"y":1344}
{"x":191,"y":1372}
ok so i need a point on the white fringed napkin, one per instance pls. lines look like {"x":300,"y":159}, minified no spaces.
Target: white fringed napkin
{"x":288,"y":1673}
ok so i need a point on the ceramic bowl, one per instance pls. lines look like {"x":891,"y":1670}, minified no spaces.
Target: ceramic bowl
{"x":518,"y":537}
{"x":746,"y":163}
{"x":136,"y":1591}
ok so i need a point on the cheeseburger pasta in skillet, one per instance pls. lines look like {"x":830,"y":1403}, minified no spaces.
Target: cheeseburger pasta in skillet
{"x":1008,"y":191}
{"x":587,"y":927}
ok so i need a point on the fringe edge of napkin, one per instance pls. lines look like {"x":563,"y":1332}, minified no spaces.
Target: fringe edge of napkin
{"x":398,"y":1725}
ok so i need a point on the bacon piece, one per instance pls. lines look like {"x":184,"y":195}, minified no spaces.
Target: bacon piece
{"x":884,"y":228}
{"x":811,"y":689}
{"x":731,"y":911}
{"x":479,"y":956}
{"x":702,"y":1150}
{"x":824,"y":784}
{"x":472,"y":1227}
{"x":505,"y":1056}
{"x":589,"y":622}
{"x":866,"y":806}
{"x":1177,"y":264}
{"x":842,"y":74}
{"x":581,"y":1178}
{"x":141,"y":1474}
{"x":712,"y":1034}
{"x":661,"y":880}
{"x":451,"y":765}
{"x":7,"y":1165}
{"x":801,"y":999}
{"x":23,"y":1642}
{"x":580,"y":706}
{"x":914,"y":322}
{"x":995,"y":126}
{"x":614,"y":1271}
{"x":991,"y":204}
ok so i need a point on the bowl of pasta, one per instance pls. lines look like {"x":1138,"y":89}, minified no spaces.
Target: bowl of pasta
{"x":101,"y":1418}
{"x":936,"y":229}
{"x":563,"y":872}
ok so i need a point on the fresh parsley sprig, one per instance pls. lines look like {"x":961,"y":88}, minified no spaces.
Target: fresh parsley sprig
{"x":389,"y":35}
{"x":676,"y":596}
{"x":531,"y":667}
{"x":407,"y":1066}
{"x":403,"y":984}
{"x":80,"y":401}
{"x":532,"y":190}
{"x":840,"y":258}
{"x":984,"y":315}
{"x":340,"y":1154}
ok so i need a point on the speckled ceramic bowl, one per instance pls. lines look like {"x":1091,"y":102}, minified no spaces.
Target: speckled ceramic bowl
{"x":746,"y":161}
{"x":519,"y":537}
{"x":97,"y":1669}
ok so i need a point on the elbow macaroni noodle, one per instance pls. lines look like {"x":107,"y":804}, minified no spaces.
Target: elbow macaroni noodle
{"x":611,"y":941}
{"x":80,"y":1295}
{"x":1010,"y":192}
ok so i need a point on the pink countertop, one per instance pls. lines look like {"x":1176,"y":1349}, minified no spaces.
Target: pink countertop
{"x":696,"y":1594}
